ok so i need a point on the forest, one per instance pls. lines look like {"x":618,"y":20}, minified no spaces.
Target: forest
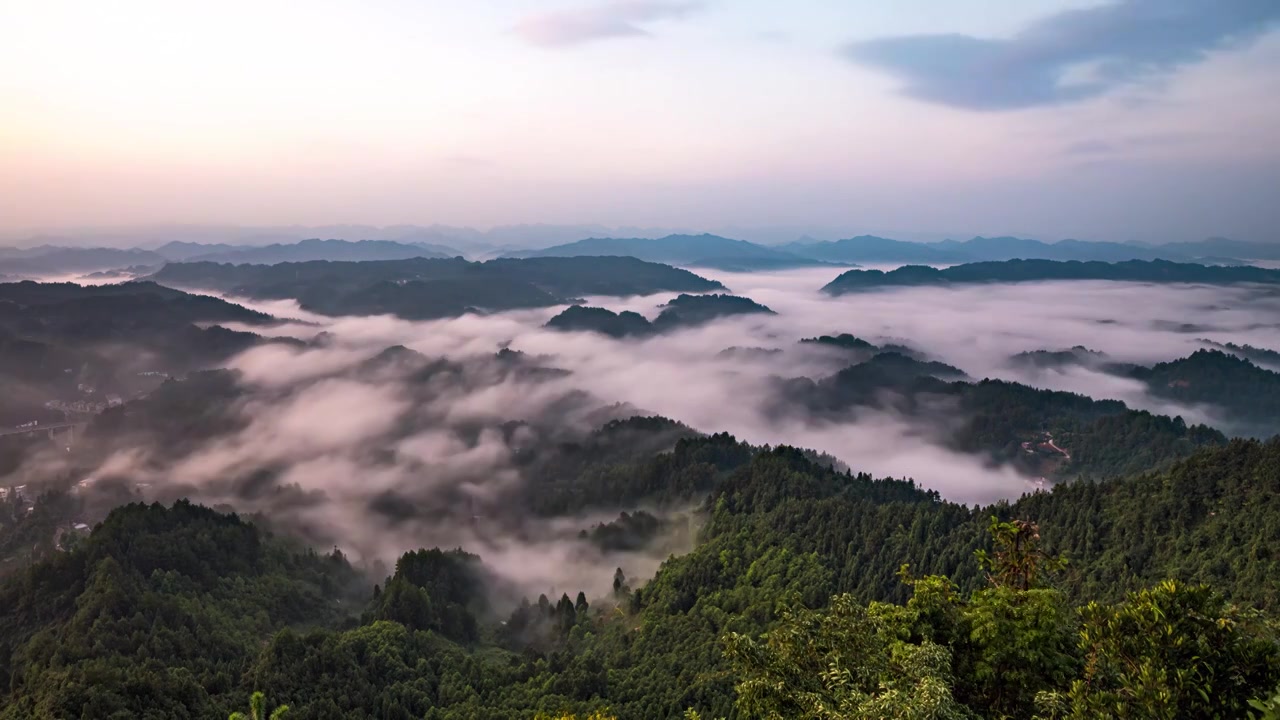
{"x":700,"y":251}
{"x":681,"y":312}
{"x":810,"y":592}
{"x":704,"y":576}
{"x":1012,"y":271}
{"x":640,"y":360}
{"x":66,"y":342}
{"x":425,"y":288}
{"x":1009,"y":421}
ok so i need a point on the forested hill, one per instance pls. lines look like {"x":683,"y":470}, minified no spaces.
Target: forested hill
{"x":183,"y":612}
{"x":1261,"y":356}
{"x":1235,"y":384}
{"x":424,"y":288}
{"x":1045,"y":433}
{"x":62,"y":343}
{"x":314,"y":249}
{"x":90,"y":303}
{"x":682,"y":312}
{"x":1247,"y":395}
{"x":869,"y":248}
{"x":1010,"y":271}
{"x":711,"y":251}
{"x":52,"y":260}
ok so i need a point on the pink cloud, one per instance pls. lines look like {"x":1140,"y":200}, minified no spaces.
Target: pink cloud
{"x":623,"y":18}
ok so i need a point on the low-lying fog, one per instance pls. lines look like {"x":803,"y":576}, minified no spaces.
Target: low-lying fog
{"x":681,"y":375}
{"x":321,"y":419}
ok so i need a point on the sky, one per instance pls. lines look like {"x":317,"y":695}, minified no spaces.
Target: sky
{"x":1120,"y":120}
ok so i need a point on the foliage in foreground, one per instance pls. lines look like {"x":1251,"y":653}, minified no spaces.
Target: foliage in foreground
{"x":184,"y":612}
{"x":258,"y":710}
{"x":1012,"y":650}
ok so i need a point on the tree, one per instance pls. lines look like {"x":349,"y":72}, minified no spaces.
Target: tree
{"x":842,"y":664}
{"x":1173,"y":651}
{"x":1019,"y":644}
{"x":257,"y":710}
{"x":566,"y":615}
{"x":407,"y":604}
{"x":1017,"y":560}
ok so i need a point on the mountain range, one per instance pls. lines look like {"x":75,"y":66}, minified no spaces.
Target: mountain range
{"x":704,"y":250}
{"x":51,"y":260}
{"x":711,"y":251}
{"x":683,"y":311}
{"x":303,"y":251}
{"x":872,"y":249}
{"x":1154,"y":271}
{"x":62,"y":342}
{"x":730,"y":565}
{"x":426,"y":288}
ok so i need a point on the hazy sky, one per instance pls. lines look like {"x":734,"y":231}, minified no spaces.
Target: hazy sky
{"x":1131,"y":119}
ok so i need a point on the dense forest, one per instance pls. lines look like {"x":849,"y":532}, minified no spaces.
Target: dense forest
{"x":1234,"y":382}
{"x":1046,"y":433}
{"x":709,"y":251}
{"x":681,"y":312}
{"x":1009,"y":271}
{"x":700,"y":251}
{"x":1263,"y":357}
{"x":853,"y":349}
{"x":304,"y":251}
{"x":1058,"y":359}
{"x":78,"y":345}
{"x":873,"y":249}
{"x":811,"y":592}
{"x":24,"y":262}
{"x":1245,"y":393}
{"x":425,"y":288}
{"x":583,"y":318}
{"x":712,"y":578}
{"x":270,"y":451}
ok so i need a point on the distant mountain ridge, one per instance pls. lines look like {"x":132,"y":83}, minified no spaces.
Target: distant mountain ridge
{"x":684,"y":311}
{"x":704,"y":250}
{"x":52,"y":260}
{"x":429,"y":288}
{"x":1249,"y":394}
{"x":1262,"y":357}
{"x":1154,"y":271}
{"x":873,"y":249}
{"x":60,"y":344}
{"x":690,"y":250}
{"x":1017,"y":423}
{"x":308,"y":250}
{"x":1218,"y":246}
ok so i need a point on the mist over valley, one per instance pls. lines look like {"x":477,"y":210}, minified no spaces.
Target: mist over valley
{"x":640,"y":360}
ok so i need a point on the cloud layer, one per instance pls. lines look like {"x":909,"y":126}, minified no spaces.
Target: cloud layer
{"x":379,"y":453}
{"x":625,"y":18}
{"x":1067,"y":57}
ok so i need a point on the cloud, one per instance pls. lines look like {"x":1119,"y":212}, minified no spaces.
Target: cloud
{"x":339,"y":447}
{"x":624,"y":18}
{"x":1067,"y":57}
{"x":1097,"y":148}
{"x":1090,"y":148}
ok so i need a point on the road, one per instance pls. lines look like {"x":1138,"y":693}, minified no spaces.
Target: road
{"x":39,"y":428}
{"x":1051,"y":444}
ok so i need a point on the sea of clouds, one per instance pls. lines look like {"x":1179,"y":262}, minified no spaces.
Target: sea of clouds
{"x":344,"y":443}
